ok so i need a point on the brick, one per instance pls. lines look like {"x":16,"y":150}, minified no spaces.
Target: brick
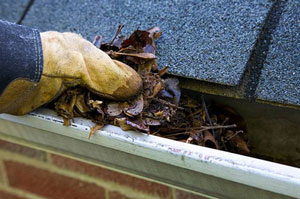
{"x":6,"y":195}
{"x":23,"y":150}
{"x":117,"y":195}
{"x":186,"y":195}
{"x":119,"y":178}
{"x":48,"y":184}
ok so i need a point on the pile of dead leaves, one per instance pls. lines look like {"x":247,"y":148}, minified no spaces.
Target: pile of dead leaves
{"x":160,"y":109}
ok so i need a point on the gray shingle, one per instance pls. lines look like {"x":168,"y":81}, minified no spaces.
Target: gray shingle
{"x":280,"y":77}
{"x":207,"y":40}
{"x":11,"y":10}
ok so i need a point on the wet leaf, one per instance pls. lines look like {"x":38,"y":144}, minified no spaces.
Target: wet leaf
{"x":136,"y":108}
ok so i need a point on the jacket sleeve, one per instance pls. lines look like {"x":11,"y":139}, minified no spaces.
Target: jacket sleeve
{"x":21,"y":55}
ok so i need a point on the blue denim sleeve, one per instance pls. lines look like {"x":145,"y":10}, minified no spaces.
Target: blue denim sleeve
{"x":21,"y":55}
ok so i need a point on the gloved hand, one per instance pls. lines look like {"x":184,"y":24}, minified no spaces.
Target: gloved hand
{"x":70,"y":60}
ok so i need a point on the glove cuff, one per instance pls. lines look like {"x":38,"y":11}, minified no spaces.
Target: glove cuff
{"x":21,"y":55}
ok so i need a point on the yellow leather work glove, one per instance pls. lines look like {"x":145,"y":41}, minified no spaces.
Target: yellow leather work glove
{"x":70,"y":60}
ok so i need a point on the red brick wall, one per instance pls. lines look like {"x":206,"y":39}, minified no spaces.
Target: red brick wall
{"x":29,"y":173}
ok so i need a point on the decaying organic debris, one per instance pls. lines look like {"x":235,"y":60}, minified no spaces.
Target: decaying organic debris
{"x":160,"y":109}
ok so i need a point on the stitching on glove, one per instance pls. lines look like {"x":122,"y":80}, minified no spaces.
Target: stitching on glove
{"x":39,"y":56}
{"x":36,"y":56}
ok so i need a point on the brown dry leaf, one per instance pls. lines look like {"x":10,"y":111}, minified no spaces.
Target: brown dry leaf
{"x":237,"y":142}
{"x":67,"y":122}
{"x":138,"y":39}
{"x":158,"y":87}
{"x":95,"y":129}
{"x":138,"y":124}
{"x":65,"y":106}
{"x":163,"y":71}
{"x":81,"y":104}
{"x":172,"y":86}
{"x":160,"y":108}
{"x":121,"y":122}
{"x":138,"y":55}
{"x":150,"y":81}
{"x":151,"y":122}
{"x":155,"y":32}
{"x":146,"y":66}
{"x":195,"y":137}
{"x":143,"y":41}
{"x":209,"y":140}
{"x":136,"y":108}
{"x":95,"y":104}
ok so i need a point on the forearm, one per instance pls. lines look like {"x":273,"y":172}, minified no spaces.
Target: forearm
{"x":21,"y":55}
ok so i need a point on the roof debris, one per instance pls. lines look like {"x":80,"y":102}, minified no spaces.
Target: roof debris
{"x":161,"y":109}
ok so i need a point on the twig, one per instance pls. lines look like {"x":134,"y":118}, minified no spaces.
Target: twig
{"x":206,"y":127}
{"x":154,"y":133}
{"x":167,"y":103}
{"x":175,"y":134}
{"x":120,"y":27}
{"x":235,"y":134}
{"x":207,"y":116}
{"x":225,"y":120}
{"x":220,"y":131}
{"x":223,"y":143}
{"x":200,"y":128}
{"x":196,"y":112}
{"x":217,"y":127}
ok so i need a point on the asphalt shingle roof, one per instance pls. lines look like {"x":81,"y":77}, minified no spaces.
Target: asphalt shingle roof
{"x":280,"y":77}
{"x":246,"y":49}
{"x":206,"y":40}
{"x":12,"y":10}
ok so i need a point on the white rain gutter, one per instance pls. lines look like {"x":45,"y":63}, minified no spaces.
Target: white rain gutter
{"x":207,"y":171}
